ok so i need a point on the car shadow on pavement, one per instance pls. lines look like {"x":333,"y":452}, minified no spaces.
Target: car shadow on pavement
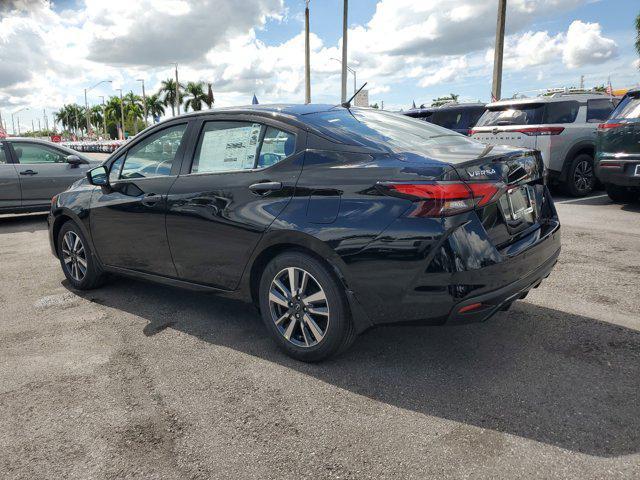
{"x":538,"y":373}
{"x":22,"y":223}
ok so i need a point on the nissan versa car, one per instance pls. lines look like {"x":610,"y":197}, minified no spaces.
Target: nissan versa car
{"x":330,"y":219}
{"x":32,"y":171}
{"x":618,"y":150}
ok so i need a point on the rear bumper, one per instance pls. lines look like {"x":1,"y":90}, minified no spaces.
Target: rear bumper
{"x":491,"y":302}
{"x":622,"y":173}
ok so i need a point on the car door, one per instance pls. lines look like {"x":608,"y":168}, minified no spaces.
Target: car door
{"x":128,"y":218}
{"x":9,"y":182}
{"x":240,"y":176}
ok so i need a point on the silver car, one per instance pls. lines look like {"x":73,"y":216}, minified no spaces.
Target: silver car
{"x":561,"y":125}
{"x":32,"y":171}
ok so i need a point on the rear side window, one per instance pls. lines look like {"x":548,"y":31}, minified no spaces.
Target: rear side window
{"x":154,"y":155}
{"x":562,"y":112}
{"x":598,"y":110}
{"x":521,"y":114}
{"x":629,"y":107}
{"x":450,"y":118}
{"x":276,"y":146}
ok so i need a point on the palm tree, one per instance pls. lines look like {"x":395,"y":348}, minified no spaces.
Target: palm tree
{"x":209,"y":101}
{"x":133,"y":109}
{"x":194,"y":93}
{"x":95,"y":116}
{"x":155,"y":106}
{"x":168,"y":89}
{"x":113,"y":108}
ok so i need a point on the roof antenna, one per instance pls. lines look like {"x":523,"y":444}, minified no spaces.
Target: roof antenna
{"x":347,"y":104}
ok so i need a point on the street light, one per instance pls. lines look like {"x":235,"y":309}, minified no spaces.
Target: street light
{"x":13,"y":126}
{"x":355,"y":82}
{"x":86,"y":105}
{"x":121,"y":111}
{"x":144,"y":102}
{"x":104,"y":116}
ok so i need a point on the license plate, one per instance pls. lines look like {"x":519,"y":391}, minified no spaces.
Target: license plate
{"x":520,"y":202}
{"x":637,"y":174}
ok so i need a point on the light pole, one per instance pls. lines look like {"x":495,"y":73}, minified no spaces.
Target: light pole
{"x":496,"y":90}
{"x":355,"y":81}
{"x":104,"y":117}
{"x":144,"y":103}
{"x":13,"y":126}
{"x":86,"y":105}
{"x":344,"y":50}
{"x":177,"y":101}
{"x":307,"y":57}
{"x":121,"y":111}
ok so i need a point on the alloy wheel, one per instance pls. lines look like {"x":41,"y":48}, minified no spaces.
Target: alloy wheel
{"x":583,"y":175}
{"x":299,"y":307}
{"x":74,"y":256}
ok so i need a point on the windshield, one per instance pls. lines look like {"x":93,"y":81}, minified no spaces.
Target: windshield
{"x":629,"y":107}
{"x":382,"y":130}
{"x":523,"y":114}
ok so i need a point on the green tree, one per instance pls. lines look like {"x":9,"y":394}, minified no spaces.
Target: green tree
{"x":453,"y":97}
{"x":195,"y":96}
{"x":155,"y":105}
{"x":168,"y":92}
{"x":133,"y":111}
{"x":112,"y":111}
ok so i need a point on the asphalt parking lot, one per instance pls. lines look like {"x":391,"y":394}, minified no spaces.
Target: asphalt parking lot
{"x":146,"y":381}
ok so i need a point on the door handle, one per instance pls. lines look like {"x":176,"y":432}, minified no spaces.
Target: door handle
{"x":263,"y":188}
{"x":28,"y":172}
{"x":150,"y":199}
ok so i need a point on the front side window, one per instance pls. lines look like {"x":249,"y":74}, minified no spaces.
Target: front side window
{"x":276,"y":146}
{"x":154,"y":155}
{"x":29,"y":153}
{"x":562,"y":112}
{"x":114,"y":172}
{"x":227,"y":147}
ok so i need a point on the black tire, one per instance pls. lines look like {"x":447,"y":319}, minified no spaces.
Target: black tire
{"x":581,"y":178}
{"x":339,"y":333}
{"x":93,"y":275}
{"x":621,"y":194}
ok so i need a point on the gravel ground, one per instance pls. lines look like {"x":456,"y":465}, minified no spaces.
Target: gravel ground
{"x":136,"y":380}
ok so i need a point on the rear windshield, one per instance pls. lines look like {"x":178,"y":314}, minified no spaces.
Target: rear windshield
{"x":450,"y":118}
{"x":524,"y":114}
{"x":381,"y":130}
{"x":629,"y":107}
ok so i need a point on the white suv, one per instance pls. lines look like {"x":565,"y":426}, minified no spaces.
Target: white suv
{"x":561,"y":125}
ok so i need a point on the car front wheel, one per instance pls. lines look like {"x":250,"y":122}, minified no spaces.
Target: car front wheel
{"x":304,"y":307}
{"x":76,"y":259}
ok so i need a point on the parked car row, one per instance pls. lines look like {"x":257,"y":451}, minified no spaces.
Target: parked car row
{"x":570,"y":130}
{"x":98,"y":146}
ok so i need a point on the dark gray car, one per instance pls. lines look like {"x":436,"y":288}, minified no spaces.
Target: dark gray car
{"x":32,"y":171}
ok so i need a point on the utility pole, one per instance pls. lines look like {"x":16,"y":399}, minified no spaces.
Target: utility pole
{"x":344,"y":50}
{"x":39,"y":126}
{"x":581,"y":82}
{"x":46,"y":120}
{"x":177,"y":91}
{"x":104,"y":117}
{"x":307,"y":57}
{"x":144,"y":103}
{"x":13,"y":126}
{"x":496,"y":90}
{"x":121,"y":112}
{"x":86,"y":112}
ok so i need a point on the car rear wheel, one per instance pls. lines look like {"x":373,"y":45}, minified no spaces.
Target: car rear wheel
{"x":621,"y":194}
{"x":581,"y":178}
{"x":304,"y":307}
{"x":78,"y":263}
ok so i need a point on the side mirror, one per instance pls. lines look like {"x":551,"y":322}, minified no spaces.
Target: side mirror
{"x":75,"y":160}
{"x":98,"y":176}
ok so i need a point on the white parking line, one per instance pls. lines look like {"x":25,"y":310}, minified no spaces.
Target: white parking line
{"x":581,"y":199}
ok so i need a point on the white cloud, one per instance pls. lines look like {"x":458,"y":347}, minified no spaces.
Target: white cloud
{"x":586,"y":45}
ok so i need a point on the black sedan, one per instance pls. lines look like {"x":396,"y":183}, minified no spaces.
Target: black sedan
{"x":331,"y":220}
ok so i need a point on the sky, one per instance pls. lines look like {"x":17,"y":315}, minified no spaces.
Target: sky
{"x":407,"y":50}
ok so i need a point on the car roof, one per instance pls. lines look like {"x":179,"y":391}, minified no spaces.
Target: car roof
{"x":556,"y":97}
{"x":449,"y":106}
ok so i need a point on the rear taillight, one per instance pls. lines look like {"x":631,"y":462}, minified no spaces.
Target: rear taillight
{"x":438,"y":199}
{"x":607,"y":126}
{"x":539,"y":131}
